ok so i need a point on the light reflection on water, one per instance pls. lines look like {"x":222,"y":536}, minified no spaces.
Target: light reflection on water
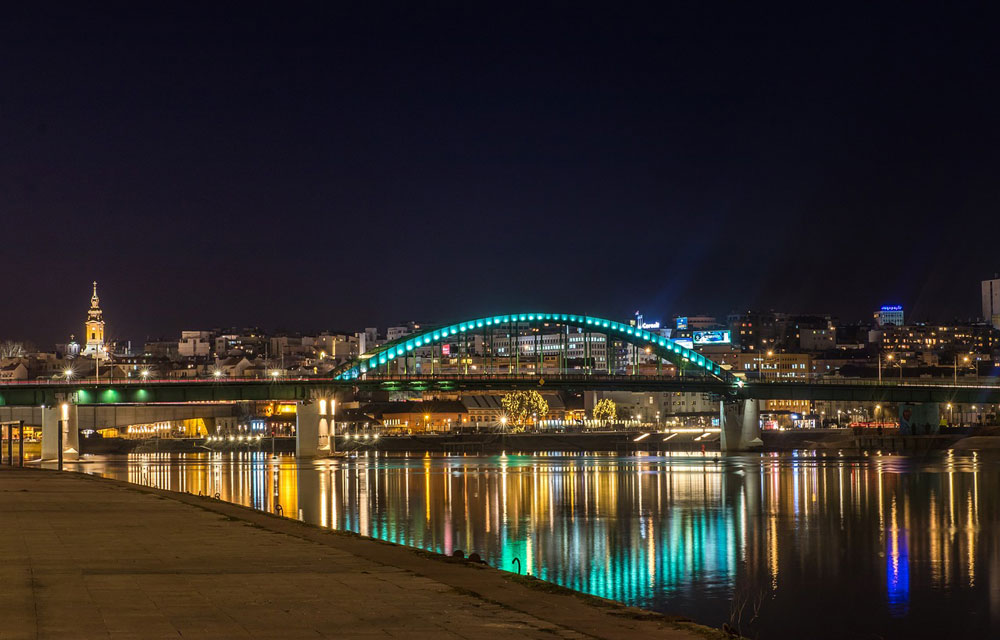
{"x":839,"y":546}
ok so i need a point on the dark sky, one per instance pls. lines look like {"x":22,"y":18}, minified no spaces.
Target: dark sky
{"x":331,"y":165}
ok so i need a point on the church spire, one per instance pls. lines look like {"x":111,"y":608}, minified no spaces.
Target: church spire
{"x":94,"y":328}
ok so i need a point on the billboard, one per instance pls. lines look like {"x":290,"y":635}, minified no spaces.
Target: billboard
{"x":711,"y":337}
{"x":682,"y":322}
{"x":687,"y":344}
{"x":919,"y":419}
{"x":446,"y":349}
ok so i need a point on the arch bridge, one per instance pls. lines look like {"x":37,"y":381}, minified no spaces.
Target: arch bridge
{"x":510,"y":358}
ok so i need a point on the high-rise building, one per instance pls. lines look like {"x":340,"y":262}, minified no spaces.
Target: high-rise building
{"x":890,"y":314}
{"x":991,"y":301}
{"x":94,"y":328}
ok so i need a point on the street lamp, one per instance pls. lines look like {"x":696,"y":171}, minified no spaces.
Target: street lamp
{"x":888,"y":357}
{"x":899,"y":363}
{"x":964,"y":359}
{"x":144,"y":373}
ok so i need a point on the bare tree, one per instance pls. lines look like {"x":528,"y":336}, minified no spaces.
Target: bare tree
{"x":12,"y":349}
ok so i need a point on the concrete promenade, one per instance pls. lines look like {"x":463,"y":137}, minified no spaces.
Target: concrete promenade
{"x":84,"y":557}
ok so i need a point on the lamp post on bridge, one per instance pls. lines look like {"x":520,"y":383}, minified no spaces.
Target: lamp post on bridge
{"x":899,"y":363}
{"x":965,"y":359}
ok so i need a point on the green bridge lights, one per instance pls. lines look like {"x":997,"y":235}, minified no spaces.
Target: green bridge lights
{"x":662,"y":347}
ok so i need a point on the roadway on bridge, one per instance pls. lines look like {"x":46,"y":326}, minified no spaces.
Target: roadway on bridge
{"x":36,"y":393}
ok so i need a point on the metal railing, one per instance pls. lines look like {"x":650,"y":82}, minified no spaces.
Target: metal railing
{"x":967,"y":382}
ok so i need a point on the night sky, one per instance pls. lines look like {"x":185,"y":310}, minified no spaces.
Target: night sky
{"x":334,"y":165}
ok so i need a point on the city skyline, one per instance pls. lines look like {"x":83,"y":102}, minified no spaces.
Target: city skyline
{"x":664,"y":318}
{"x":368,"y":163}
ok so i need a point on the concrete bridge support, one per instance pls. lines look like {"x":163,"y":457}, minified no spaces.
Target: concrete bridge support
{"x":739,"y":421}
{"x":314,"y":428}
{"x":66,"y":416}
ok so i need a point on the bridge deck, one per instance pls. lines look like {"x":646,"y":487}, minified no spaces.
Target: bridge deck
{"x":36,"y":393}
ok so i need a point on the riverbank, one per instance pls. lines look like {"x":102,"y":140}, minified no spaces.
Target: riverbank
{"x":620,"y":442}
{"x":90,"y":557}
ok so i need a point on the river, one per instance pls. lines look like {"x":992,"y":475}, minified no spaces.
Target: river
{"x":804,"y":544}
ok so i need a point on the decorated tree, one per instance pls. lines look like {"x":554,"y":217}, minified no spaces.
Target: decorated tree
{"x":605,"y":410}
{"x":520,"y":405}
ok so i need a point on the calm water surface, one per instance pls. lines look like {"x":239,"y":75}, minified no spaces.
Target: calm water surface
{"x":824,"y":546}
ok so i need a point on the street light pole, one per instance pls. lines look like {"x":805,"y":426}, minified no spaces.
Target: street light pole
{"x":898,"y":363}
{"x":964,"y":359}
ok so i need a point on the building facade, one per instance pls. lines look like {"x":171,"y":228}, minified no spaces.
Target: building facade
{"x":991,"y":302}
{"x":890,"y":314}
{"x":195,"y":344}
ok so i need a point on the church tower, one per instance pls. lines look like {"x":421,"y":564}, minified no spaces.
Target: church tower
{"x":94,"y":332}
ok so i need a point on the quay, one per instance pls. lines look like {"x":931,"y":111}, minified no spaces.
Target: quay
{"x":87,"y":557}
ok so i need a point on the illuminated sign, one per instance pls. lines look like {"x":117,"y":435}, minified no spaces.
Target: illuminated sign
{"x":892,"y":307}
{"x":446,"y":349}
{"x":711,"y":337}
{"x":682,"y":322}
{"x":687,"y":344}
{"x":650,"y":325}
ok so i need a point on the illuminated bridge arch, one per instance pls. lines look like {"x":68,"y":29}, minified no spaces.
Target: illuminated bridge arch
{"x":403,"y":347}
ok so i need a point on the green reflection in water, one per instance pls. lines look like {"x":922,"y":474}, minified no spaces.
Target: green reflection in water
{"x":894,"y":541}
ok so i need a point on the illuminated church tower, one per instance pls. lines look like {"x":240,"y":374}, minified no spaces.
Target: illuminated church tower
{"x":95,"y":328}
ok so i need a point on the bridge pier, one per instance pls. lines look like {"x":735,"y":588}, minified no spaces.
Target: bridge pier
{"x":66,"y":416}
{"x":739,"y":423}
{"x":314,"y":428}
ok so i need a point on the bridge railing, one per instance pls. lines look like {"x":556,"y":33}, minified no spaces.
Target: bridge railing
{"x":965,"y":383}
{"x":527,"y":377}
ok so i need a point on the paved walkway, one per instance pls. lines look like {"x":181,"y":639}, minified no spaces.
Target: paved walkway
{"x":84,"y":557}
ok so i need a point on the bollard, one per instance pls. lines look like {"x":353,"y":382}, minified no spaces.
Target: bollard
{"x":59,"y":444}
